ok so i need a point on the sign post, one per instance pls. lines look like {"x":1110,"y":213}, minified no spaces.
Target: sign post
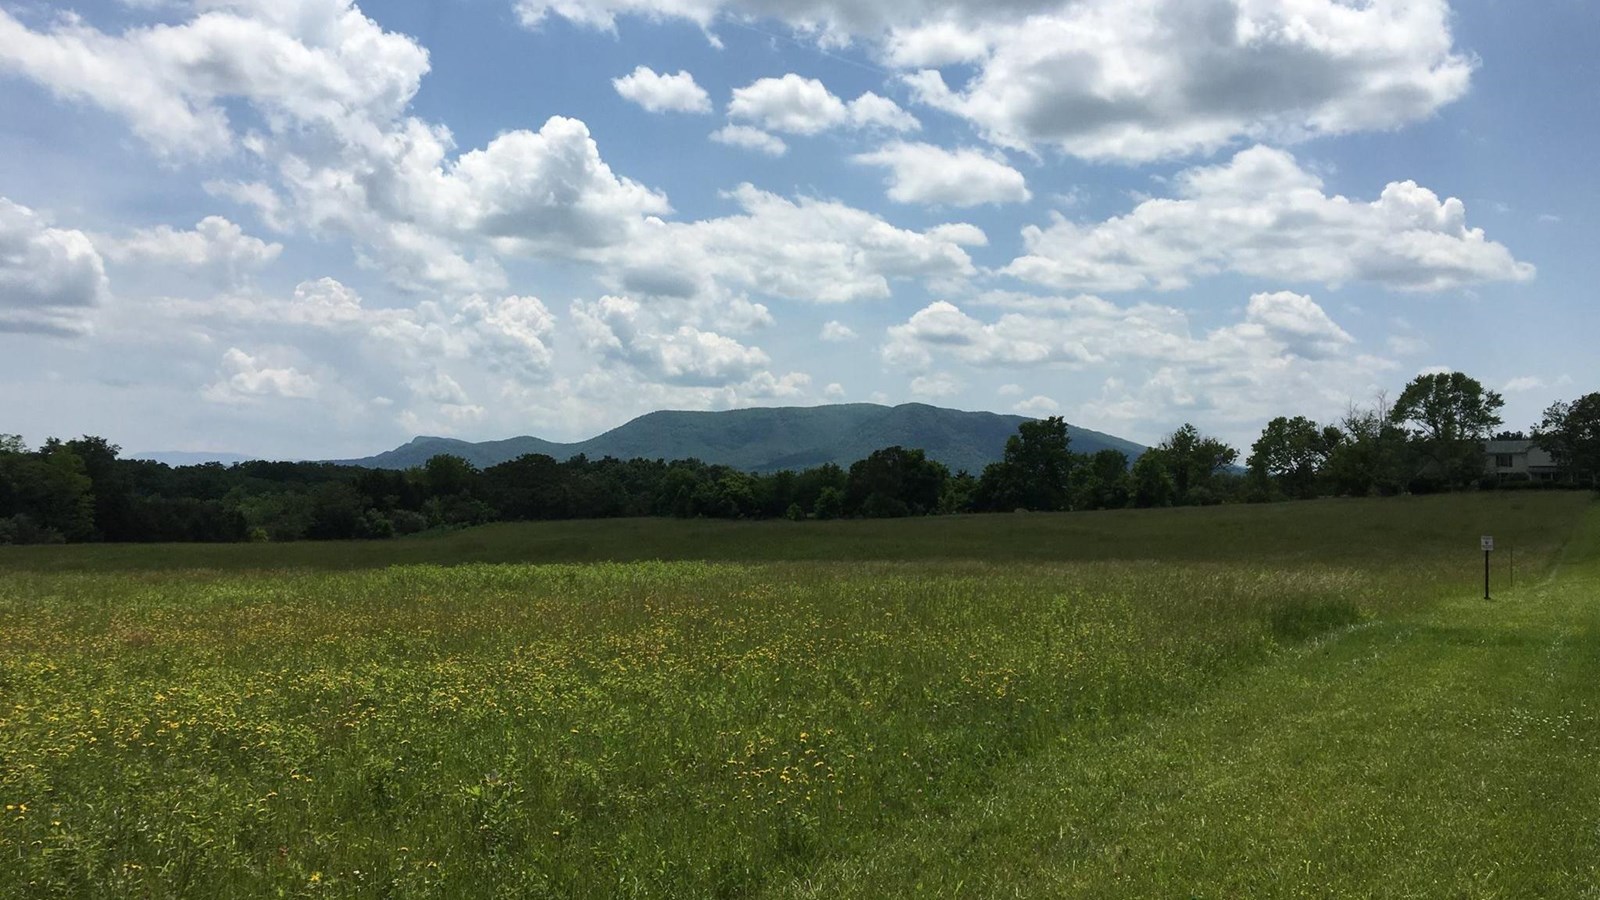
{"x":1487,"y":542}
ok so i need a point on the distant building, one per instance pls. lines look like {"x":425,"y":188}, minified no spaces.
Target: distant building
{"x":1519,"y":460}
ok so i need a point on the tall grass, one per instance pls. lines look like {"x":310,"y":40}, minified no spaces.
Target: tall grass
{"x":659,"y":728}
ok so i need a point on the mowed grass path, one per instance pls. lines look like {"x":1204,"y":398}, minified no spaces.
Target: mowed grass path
{"x":1448,"y":752}
{"x":1303,"y":699}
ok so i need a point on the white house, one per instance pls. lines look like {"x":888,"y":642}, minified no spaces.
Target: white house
{"x":1519,"y":460}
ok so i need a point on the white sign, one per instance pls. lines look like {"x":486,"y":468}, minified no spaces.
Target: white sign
{"x":1488,"y":542}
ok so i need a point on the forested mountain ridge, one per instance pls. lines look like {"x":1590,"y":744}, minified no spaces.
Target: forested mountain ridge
{"x":770,"y":439}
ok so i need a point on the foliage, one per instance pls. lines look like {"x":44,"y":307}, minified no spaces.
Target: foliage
{"x":1035,"y":473}
{"x":1570,"y":432}
{"x":895,"y":482}
{"x":1450,"y":414}
{"x":1291,"y":453}
{"x":1187,"y":468}
{"x":1369,"y":457}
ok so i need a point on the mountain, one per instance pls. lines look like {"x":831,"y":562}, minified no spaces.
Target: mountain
{"x":768,"y":439}
{"x":187,"y":458}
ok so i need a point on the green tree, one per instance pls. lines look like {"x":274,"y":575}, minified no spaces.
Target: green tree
{"x":1193,"y":461}
{"x":830,"y":503}
{"x":1450,"y":415}
{"x":1290,"y":454}
{"x":1570,"y":432}
{"x":1035,"y":471}
{"x":1368,"y":455}
{"x":895,"y":482}
{"x":1101,"y":481}
{"x":1152,"y":480}
{"x":447,"y":475}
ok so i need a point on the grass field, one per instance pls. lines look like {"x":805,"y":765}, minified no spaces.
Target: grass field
{"x":1299,"y":699}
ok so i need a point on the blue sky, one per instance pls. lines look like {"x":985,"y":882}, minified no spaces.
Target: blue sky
{"x":317,"y":228}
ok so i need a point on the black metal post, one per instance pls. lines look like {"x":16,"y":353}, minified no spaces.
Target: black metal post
{"x":1485,"y":574}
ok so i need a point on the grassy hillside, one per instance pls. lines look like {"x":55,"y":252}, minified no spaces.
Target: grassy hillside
{"x":765,"y":440}
{"x":1285,"y":700}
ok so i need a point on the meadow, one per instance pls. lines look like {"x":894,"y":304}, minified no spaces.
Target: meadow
{"x":1264,"y":700}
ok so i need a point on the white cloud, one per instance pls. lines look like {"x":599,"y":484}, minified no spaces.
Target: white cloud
{"x":663,"y":93}
{"x":546,"y":192}
{"x":49,"y":277}
{"x":837,"y":332}
{"x":1010,"y":390}
{"x":1284,"y":354}
{"x":619,"y":328}
{"x":796,"y":105}
{"x":442,"y":405}
{"x":790,"y":104}
{"x":312,"y":61}
{"x":936,"y":385}
{"x":750,"y":139}
{"x":934,"y":44}
{"x":216,"y":247}
{"x":1038,"y":406}
{"x":805,"y":249}
{"x":1129,"y":80}
{"x":872,"y":111}
{"x":331,"y":89}
{"x":1261,"y":214}
{"x":246,"y":378}
{"x":834,"y":391}
{"x":924,"y":173}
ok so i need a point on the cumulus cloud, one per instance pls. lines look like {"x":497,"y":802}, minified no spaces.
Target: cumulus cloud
{"x":924,"y":173}
{"x":245,"y":378}
{"x":663,"y":93}
{"x":549,"y":190}
{"x":796,"y":105}
{"x":837,"y":332}
{"x":1076,"y":331}
{"x":750,"y":139}
{"x":331,"y":89}
{"x":215,"y":247}
{"x":317,"y":61}
{"x":620,"y":329}
{"x":442,"y":404}
{"x":1128,"y":80}
{"x":936,"y":385}
{"x":1261,"y":214}
{"x":49,"y":277}
{"x":1285,"y":352}
{"x":805,"y":249}
{"x":1038,"y":406}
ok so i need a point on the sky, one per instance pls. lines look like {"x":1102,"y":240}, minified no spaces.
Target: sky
{"x":317,"y":228}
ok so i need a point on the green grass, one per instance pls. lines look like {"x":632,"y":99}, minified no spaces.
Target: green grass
{"x":1360,"y":532}
{"x":1279,"y":700}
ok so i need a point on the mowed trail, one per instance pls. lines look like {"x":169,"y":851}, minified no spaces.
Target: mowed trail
{"x":1454,"y":752}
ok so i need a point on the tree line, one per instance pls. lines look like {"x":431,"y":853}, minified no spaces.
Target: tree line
{"x":1429,"y":439}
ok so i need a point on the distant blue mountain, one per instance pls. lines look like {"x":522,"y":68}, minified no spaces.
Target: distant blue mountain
{"x":186,"y":458}
{"x":769,"y":439}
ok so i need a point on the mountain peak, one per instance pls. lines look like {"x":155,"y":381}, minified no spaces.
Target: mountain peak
{"x":765,"y":439}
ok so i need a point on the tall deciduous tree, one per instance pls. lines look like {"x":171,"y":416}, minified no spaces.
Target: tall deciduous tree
{"x":1193,"y":460}
{"x":1291,"y":453}
{"x":1570,"y":432}
{"x":1035,"y":472}
{"x":1450,"y":415}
